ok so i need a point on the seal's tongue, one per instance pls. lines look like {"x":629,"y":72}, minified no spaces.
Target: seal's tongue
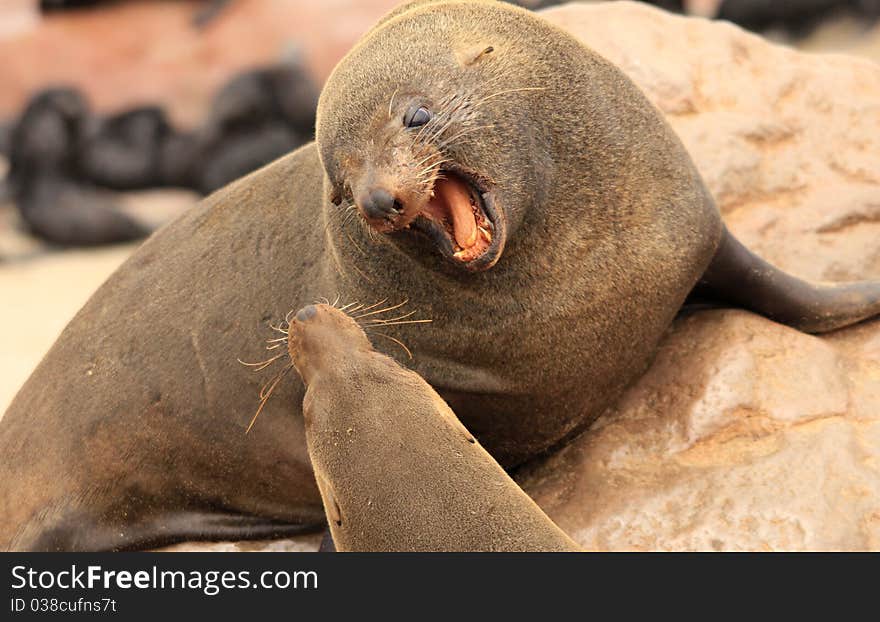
{"x":451,"y":204}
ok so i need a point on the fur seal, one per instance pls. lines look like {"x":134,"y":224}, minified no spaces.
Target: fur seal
{"x":255,"y":118}
{"x":470,"y":157}
{"x":45,"y":179}
{"x":396,"y":469}
{"x":123,"y":151}
{"x":797,"y":18}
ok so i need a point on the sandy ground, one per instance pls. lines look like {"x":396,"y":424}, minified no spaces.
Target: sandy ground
{"x":41,"y":288}
{"x":39,"y":298}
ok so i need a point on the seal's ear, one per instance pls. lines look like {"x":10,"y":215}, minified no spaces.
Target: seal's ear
{"x":471,"y":55}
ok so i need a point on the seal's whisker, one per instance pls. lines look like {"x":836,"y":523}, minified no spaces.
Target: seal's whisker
{"x":427,"y":153}
{"x":263,"y":364}
{"x":397,"y":341}
{"x":271,"y":382}
{"x":397,"y":306}
{"x":363,"y":274}
{"x":391,"y":102}
{"x":332,"y":217}
{"x":428,"y":169}
{"x":340,"y":217}
{"x":480,"y":102}
{"x":380,"y":323}
{"x":277,"y":345}
{"x":427,"y":174}
{"x":394,"y":319}
{"x":265,"y":395}
{"x":344,"y":307}
{"x":430,"y":177}
{"x":441,"y":129}
{"x":370,"y":233}
{"x":336,"y":300}
{"x":466,"y":131}
{"x":451,"y":118}
{"x":446,"y":111}
{"x":347,"y":220}
{"x":372,"y":306}
{"x":356,"y":245}
{"x":432,"y":121}
{"x":433,"y":154}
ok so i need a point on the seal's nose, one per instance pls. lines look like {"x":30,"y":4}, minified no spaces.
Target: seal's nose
{"x":378,"y":203}
{"x":306,"y":312}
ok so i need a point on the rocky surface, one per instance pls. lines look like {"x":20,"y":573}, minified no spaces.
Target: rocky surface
{"x":302,"y":544}
{"x":789,"y":143}
{"x":744,"y":434}
{"x":42,"y":288}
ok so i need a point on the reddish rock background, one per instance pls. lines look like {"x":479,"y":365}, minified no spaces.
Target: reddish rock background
{"x":744,"y":434}
{"x":150,"y":52}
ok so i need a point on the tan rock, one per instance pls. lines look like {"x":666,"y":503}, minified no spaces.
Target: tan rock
{"x":302,"y":544}
{"x":149,"y":51}
{"x":744,"y":434}
{"x":788,"y":143}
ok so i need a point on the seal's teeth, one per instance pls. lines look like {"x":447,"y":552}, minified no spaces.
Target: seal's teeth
{"x":472,"y":239}
{"x":459,"y":254}
{"x":486,"y":235}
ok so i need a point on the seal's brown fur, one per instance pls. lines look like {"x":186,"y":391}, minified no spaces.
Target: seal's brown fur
{"x":130,"y":431}
{"x":396,"y":469}
{"x":608,"y":223}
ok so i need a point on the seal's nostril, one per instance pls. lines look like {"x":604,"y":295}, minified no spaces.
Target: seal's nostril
{"x":306,"y":313}
{"x":378,"y":203}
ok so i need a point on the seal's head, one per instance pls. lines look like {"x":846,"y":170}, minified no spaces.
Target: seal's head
{"x":424,"y":127}
{"x":320,"y":336}
{"x":46,"y":137}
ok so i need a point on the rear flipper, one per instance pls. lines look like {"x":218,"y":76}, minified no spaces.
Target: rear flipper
{"x":86,"y":532}
{"x":739,"y":277}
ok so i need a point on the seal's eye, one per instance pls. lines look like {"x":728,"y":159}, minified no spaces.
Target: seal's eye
{"x":416,"y":116}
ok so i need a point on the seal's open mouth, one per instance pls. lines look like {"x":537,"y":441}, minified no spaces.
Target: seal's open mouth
{"x":462,"y":220}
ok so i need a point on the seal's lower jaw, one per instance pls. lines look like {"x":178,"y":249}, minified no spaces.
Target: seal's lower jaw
{"x":463,"y":221}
